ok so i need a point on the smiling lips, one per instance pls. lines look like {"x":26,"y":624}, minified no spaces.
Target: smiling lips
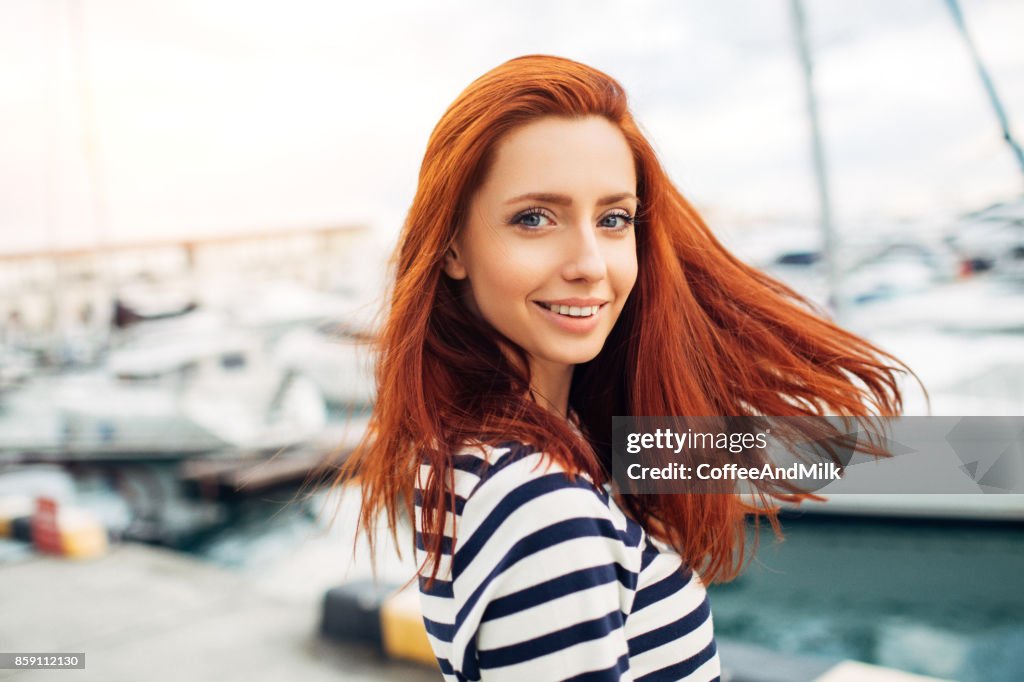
{"x":581,"y":308}
{"x":572,"y":311}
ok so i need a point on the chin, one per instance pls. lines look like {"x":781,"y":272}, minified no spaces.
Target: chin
{"x":574,"y":358}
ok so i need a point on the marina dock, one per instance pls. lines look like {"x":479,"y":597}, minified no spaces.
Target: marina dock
{"x":142,"y":612}
{"x":145,"y":613}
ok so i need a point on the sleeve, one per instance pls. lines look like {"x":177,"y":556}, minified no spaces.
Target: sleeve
{"x":540,"y":580}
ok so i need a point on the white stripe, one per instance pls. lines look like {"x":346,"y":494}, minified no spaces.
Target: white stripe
{"x":711,"y":670}
{"x":554,"y":507}
{"x":444,"y":566}
{"x":676,"y":650}
{"x":660,"y":568}
{"x":597,"y":654}
{"x":552,"y":562}
{"x":450,"y":521}
{"x":668,"y":610}
{"x":436,"y":608}
{"x":553,"y":615}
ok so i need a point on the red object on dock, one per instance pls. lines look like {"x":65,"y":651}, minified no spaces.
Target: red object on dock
{"x":45,"y":533}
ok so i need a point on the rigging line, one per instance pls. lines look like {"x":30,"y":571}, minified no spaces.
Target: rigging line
{"x":829,"y":237}
{"x":986,"y":80}
{"x":90,"y":132}
{"x":51,"y":90}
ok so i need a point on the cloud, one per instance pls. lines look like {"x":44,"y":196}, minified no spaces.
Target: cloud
{"x":225,"y":116}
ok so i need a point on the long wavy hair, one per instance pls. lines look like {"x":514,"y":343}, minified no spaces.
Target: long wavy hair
{"x":702,"y":333}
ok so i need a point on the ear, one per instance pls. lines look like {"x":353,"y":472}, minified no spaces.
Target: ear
{"x":453,"y":266}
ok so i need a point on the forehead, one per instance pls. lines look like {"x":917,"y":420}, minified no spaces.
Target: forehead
{"x":568,"y":155}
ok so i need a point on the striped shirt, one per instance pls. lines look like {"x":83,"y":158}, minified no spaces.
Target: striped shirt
{"x":549,"y":580}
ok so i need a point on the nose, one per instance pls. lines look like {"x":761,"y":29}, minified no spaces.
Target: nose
{"x":583,"y":257}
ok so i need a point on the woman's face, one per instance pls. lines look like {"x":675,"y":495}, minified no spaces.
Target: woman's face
{"x":548,"y":247}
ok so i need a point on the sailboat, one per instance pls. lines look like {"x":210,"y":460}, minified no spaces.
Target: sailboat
{"x":977,"y":358}
{"x":167,"y":395}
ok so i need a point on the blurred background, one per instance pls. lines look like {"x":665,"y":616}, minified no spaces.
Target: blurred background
{"x":199,"y":199}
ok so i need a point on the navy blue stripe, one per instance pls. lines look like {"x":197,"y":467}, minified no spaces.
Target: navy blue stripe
{"x":460,"y":502}
{"x":515,"y":499}
{"x":666,"y":587}
{"x":613,"y":673}
{"x":471,"y":464}
{"x":477,"y":465}
{"x":470,"y":665}
{"x":632,"y":535}
{"x":480,"y":467}
{"x":550,"y":536}
{"x":680,"y":670}
{"x":650,"y":554}
{"x":445,"y":665}
{"x":446,"y":543}
{"x":577,"y":581}
{"x":672,"y":631}
{"x":440,"y":588}
{"x":586,"y":631}
{"x":442,"y":631}
{"x":516,"y":452}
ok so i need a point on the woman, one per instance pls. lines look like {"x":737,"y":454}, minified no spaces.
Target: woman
{"x":548,"y":277}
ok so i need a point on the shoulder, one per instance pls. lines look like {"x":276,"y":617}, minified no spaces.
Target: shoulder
{"x":502,"y":478}
{"x":515,"y":474}
{"x":522,"y":502}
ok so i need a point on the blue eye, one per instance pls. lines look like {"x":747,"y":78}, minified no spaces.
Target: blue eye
{"x":620,"y":221}
{"x":532,"y":218}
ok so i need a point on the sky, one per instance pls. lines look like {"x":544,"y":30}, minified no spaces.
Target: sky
{"x":131,"y":120}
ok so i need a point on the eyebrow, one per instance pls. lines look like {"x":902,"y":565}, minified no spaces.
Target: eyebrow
{"x":563,"y":200}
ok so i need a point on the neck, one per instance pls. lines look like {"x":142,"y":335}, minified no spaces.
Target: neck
{"x":549,"y":386}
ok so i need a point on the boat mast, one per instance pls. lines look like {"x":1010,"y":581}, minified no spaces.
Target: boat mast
{"x":82,"y":64}
{"x":986,"y":81}
{"x":829,"y":237}
{"x":87,"y":110}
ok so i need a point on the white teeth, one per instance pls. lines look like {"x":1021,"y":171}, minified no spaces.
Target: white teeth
{"x":573,"y":311}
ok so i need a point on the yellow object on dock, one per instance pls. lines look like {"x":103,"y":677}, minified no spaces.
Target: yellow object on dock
{"x":81,"y":534}
{"x":402,"y":628}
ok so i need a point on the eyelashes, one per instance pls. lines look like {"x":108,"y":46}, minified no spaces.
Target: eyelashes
{"x":531,"y":219}
{"x":626,"y":219}
{"x":535,"y":214}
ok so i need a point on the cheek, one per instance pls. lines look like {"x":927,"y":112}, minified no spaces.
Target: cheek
{"x":514,"y":273}
{"x":503,"y":287}
{"x":622,"y":269}
{"x":502,"y":277}
{"x":532,"y":255}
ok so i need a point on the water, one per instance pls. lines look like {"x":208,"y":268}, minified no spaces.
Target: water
{"x":931,"y":598}
{"x":256,"y":532}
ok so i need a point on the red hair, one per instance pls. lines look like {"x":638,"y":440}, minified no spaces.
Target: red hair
{"x":701,"y":334}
